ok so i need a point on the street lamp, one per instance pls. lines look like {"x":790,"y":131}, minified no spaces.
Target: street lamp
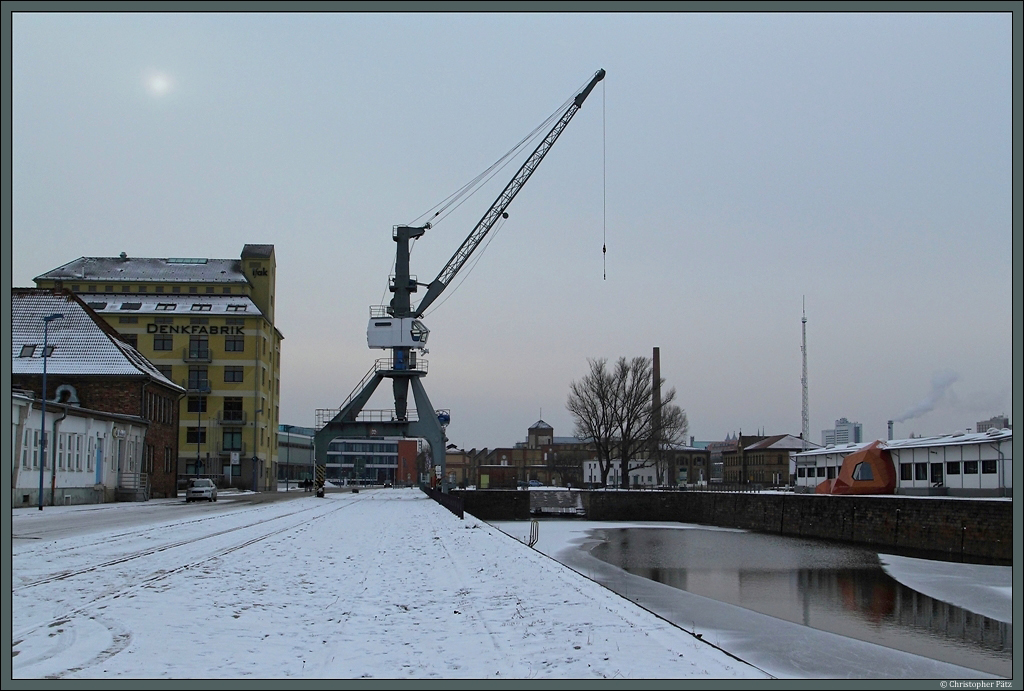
{"x":42,"y":429}
{"x":288,"y":457}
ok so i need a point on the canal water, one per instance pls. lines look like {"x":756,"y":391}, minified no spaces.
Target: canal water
{"x":826,"y":586}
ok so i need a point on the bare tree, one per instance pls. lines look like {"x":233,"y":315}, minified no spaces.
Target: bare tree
{"x":592,"y":404}
{"x":614,"y":409}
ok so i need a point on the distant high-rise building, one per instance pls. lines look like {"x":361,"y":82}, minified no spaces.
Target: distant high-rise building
{"x":845,"y":432}
{"x":999,"y":422}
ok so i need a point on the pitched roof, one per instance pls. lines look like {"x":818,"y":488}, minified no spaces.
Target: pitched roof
{"x":82,"y":342}
{"x":781,"y":442}
{"x":540,"y":424}
{"x":257,"y":251}
{"x":168,"y":270}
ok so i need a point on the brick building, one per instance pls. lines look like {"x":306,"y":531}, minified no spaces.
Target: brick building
{"x":90,"y":367}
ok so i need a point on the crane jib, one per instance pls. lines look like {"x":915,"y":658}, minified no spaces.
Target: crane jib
{"x":492,"y":215}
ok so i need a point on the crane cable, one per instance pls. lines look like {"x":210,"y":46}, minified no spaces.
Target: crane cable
{"x":457,"y":198}
{"x":604,"y":185}
{"x":493,"y":234}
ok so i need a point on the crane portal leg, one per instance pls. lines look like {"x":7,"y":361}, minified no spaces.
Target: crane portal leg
{"x":429,"y":427}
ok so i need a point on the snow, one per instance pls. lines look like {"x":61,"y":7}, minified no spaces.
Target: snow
{"x":975,"y":587}
{"x":379,"y":584}
{"x":781,"y":648}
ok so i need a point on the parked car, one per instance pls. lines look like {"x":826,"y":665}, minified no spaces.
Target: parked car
{"x":536,"y":483}
{"x":201,"y":488}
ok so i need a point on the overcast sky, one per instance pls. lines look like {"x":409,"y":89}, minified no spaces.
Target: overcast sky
{"x":736,"y":163}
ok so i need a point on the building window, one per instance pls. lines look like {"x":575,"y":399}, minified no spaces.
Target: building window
{"x":906,"y":472}
{"x":97,"y":305}
{"x":197,"y":404}
{"x":75,"y":287}
{"x":142,"y":289}
{"x":209,"y":289}
{"x":193,"y":289}
{"x":953,"y":468}
{"x":131,"y":339}
{"x":199,"y":320}
{"x":163,"y":341}
{"x":233,"y":410}
{"x":127,"y":320}
{"x":234,"y":344}
{"x":166,"y":371}
{"x":921,"y":471}
{"x":27,"y":351}
{"x":195,"y":435}
{"x":227,"y":290}
{"x":970,"y":467}
{"x":175,"y":289}
{"x":166,"y":306}
{"x":988,"y":467}
{"x":168,"y":461}
{"x":232,"y":439}
{"x":234,"y":321}
{"x":862,"y":471}
{"x":198,"y":347}
{"x":236,"y":308}
{"x":108,"y":289}
{"x":233,"y":374}
{"x":92,"y":288}
{"x":201,"y":307}
{"x":198,"y":379}
{"x":163,"y":320}
{"x":159,"y":289}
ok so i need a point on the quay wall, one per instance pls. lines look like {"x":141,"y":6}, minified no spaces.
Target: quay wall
{"x":971,"y":529}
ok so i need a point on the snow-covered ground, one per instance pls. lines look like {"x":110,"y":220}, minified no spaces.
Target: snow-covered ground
{"x":379,"y":584}
{"x":782,"y":648}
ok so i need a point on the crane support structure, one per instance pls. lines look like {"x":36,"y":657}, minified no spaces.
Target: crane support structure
{"x":391,"y":322}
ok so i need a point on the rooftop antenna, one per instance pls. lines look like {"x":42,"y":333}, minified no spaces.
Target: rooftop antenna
{"x":805,"y":425}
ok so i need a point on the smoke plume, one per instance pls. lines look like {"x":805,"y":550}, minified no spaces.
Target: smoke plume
{"x":941,"y":381}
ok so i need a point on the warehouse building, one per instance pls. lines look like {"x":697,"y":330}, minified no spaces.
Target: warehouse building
{"x":207,"y":325}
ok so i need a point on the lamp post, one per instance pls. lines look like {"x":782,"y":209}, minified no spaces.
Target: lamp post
{"x":42,"y":427}
{"x":288,"y":457}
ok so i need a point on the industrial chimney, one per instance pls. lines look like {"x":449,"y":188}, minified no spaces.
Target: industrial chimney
{"x":890,"y":430}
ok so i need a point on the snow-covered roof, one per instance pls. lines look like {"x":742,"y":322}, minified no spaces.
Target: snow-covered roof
{"x":167,"y":270}
{"x":193,"y":305}
{"x":844,"y":449}
{"x":540,"y":424}
{"x":82,"y":343}
{"x":956,"y":438}
{"x":780,"y":442}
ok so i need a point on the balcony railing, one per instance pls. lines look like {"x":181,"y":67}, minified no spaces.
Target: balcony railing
{"x":231,"y":418}
{"x":196,"y":355}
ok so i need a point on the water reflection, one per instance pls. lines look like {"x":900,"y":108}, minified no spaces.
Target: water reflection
{"x":829,"y":587}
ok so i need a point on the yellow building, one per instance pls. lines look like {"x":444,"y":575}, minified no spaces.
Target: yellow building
{"x":207,"y":324}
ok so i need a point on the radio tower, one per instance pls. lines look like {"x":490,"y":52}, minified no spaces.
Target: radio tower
{"x":805,"y":424}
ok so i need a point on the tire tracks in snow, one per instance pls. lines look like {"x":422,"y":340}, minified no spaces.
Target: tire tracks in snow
{"x":120,"y":636}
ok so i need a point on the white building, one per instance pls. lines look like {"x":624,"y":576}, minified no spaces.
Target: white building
{"x":845,"y":432}
{"x":957,"y":464}
{"x":817,"y":465}
{"x":643,"y":477}
{"x":89,"y":454}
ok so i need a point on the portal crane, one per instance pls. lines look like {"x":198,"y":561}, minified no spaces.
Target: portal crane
{"x":397,"y":327}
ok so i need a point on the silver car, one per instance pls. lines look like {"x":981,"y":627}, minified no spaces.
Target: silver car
{"x":201,"y":488}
